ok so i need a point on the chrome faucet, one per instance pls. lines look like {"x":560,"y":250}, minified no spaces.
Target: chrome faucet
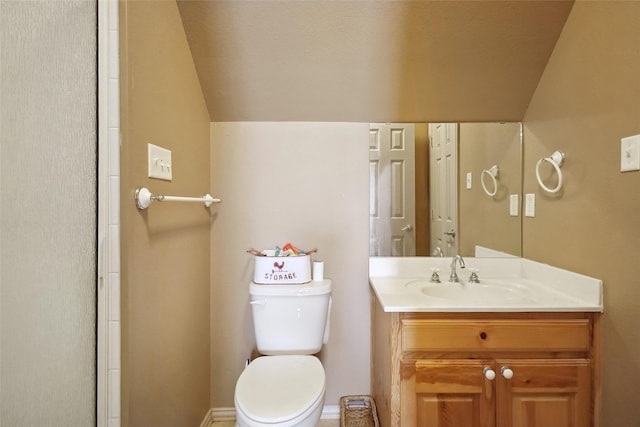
{"x":453,"y":277}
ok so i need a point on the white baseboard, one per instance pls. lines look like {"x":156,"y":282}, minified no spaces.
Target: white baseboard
{"x":223,"y":414}
{"x":329,"y":412}
{"x":208,"y":419}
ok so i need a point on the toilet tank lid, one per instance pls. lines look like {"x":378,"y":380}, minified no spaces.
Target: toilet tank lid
{"x":319,"y":287}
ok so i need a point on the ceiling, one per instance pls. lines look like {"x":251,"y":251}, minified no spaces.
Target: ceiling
{"x":371,"y":61}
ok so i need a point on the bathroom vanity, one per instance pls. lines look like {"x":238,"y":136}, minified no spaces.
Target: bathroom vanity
{"x":445,"y":355}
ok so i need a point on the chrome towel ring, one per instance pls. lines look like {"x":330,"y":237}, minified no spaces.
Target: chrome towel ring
{"x":492,"y":173}
{"x":556,"y":160}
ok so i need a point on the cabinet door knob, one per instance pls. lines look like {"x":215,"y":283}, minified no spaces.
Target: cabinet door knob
{"x":506,"y":372}
{"x":489,"y":373}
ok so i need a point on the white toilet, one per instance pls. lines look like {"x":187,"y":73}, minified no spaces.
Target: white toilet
{"x":286,"y":386}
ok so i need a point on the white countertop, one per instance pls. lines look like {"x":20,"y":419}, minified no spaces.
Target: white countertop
{"x":401,"y":284}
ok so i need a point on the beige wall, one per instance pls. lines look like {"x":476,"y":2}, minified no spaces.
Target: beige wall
{"x":370,"y":60}
{"x":304,"y":183}
{"x":485,"y":220}
{"x":165,"y":249}
{"x":588,"y":98}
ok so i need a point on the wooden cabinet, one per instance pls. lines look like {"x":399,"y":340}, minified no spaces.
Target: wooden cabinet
{"x":456,"y":393}
{"x":485,"y":369}
{"x":447,"y":393}
{"x":544,"y":392}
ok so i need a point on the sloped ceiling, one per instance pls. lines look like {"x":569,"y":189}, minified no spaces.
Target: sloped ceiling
{"x":371,"y":61}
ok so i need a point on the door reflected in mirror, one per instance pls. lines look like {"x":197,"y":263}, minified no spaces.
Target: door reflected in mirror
{"x":442,"y":189}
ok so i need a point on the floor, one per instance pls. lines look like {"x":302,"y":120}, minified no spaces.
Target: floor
{"x":323,"y":423}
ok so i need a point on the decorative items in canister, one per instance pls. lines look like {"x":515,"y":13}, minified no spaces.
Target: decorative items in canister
{"x":286,"y":265}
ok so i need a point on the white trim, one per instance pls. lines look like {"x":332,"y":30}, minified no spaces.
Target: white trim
{"x":208,"y":419}
{"x":329,"y":412}
{"x":103,"y":226}
{"x":108,"y":373}
{"x":223,"y":414}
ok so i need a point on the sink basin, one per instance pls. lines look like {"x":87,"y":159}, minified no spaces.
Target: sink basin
{"x":484,"y":292}
{"x":401,"y":284}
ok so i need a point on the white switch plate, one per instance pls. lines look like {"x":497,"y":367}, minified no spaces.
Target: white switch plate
{"x":469,"y":179}
{"x":160,"y":163}
{"x":530,"y":205}
{"x":513,"y":205}
{"x":630,"y":153}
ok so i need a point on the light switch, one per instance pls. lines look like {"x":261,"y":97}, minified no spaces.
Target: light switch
{"x":513,"y":205}
{"x":630,"y":153}
{"x":159,"y":163}
{"x":530,"y":205}
{"x":469,"y":180}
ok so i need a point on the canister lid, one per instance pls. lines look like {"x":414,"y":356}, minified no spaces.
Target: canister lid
{"x":275,"y":389}
{"x":319,"y":287}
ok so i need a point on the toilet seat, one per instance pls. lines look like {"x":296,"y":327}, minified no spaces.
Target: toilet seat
{"x":277,"y":389}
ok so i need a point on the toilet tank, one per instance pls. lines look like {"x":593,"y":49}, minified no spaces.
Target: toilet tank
{"x":291,"y":319}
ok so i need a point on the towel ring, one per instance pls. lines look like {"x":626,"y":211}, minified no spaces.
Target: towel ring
{"x":492,"y":172}
{"x":556,"y":160}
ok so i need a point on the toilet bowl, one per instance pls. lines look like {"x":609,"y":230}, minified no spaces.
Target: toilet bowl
{"x":285,"y":386}
{"x":285,"y":390}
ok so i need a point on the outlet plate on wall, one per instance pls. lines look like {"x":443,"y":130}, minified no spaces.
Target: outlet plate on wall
{"x":159,"y":163}
{"x":530,"y":205}
{"x":514,"y":200}
{"x":630,"y":153}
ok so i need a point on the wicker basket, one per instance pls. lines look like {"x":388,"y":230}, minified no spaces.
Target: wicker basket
{"x":358,"y":411}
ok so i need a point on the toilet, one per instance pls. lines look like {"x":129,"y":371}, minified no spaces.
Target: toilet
{"x":285,"y":386}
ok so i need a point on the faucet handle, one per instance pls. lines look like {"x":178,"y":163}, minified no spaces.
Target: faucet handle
{"x":435,"y":275}
{"x":473,"y":278}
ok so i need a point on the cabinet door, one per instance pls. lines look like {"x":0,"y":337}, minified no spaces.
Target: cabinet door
{"x":447,"y":393}
{"x":544,"y":393}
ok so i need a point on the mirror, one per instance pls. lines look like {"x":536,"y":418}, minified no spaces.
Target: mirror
{"x":441,"y":189}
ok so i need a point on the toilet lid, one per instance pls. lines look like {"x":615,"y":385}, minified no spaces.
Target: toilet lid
{"x":279,"y":388}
